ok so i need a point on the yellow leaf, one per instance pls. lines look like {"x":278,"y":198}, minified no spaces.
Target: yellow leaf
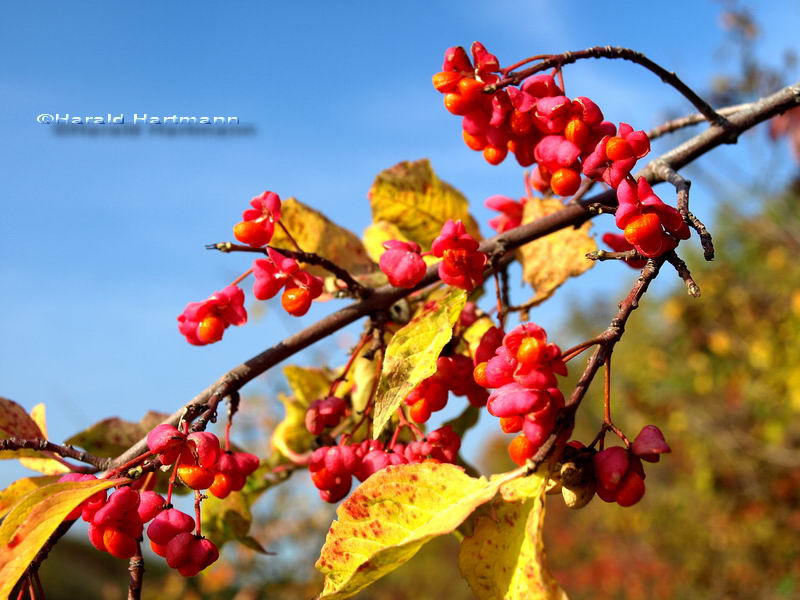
{"x":377,"y":233}
{"x":290,"y":435}
{"x":413,"y":350}
{"x":412,"y":200}
{"x":48,"y":466}
{"x":21,"y":487}
{"x":390,"y":516}
{"x":228,"y":519}
{"x":550,"y":261}
{"x":473,"y":334}
{"x":308,"y":383}
{"x":503,"y":558}
{"x":316,"y":233}
{"x":31,"y":522}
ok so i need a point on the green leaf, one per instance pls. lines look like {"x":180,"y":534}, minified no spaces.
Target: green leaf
{"x":21,"y":487}
{"x":32,"y":521}
{"x":411,"y":200}
{"x":412,"y":352}
{"x":111,"y":437}
{"x":391,"y":515}
{"x":504,"y":555}
{"x":314,"y":232}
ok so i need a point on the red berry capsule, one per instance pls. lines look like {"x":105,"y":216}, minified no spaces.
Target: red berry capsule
{"x":521,"y":449}
{"x":618,"y":148}
{"x":251,"y":233}
{"x":296,"y":301}
{"x":196,"y":477}
{"x":210,"y":330}
{"x":420,"y":411}
{"x":565,"y":182}
{"x":643,"y":228}
{"x":447,"y":81}
{"x":494,"y":155}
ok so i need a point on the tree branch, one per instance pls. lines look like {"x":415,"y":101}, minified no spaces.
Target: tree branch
{"x":64,"y":451}
{"x":668,"y":77}
{"x":382,"y":298}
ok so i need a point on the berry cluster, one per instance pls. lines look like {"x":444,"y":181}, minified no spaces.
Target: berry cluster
{"x":619,"y":472}
{"x":278,"y":271}
{"x":521,"y":367}
{"x":200,"y":462}
{"x":116,"y":525}
{"x":453,"y":374}
{"x":462,"y":264}
{"x":205,"y":322}
{"x":565,"y":138}
{"x":332,"y":468}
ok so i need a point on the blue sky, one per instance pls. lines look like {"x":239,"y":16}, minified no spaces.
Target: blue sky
{"x":102,"y":236}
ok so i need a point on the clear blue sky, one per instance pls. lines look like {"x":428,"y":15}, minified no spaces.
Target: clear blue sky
{"x":102,"y":236}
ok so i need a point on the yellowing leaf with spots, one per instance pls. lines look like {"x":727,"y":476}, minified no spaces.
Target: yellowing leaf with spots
{"x":550,"y":261}
{"x":314,"y":232}
{"x":411,"y":200}
{"x":22,"y":487}
{"x":32,"y":521}
{"x":412,"y":352}
{"x":391,"y":515}
{"x":17,"y":423}
{"x":504,"y":556}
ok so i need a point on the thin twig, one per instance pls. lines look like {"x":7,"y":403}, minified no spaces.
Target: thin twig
{"x":602,"y":255}
{"x":65,"y":451}
{"x":693,"y":119}
{"x":683,"y":271}
{"x":310,"y":258}
{"x":136,"y":570}
{"x":668,"y":77}
{"x":682,"y":185}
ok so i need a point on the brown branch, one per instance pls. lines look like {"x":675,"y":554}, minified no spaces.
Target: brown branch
{"x":310,"y":258}
{"x":693,"y":119}
{"x":65,"y":451}
{"x":603,"y":255}
{"x":382,"y":298}
{"x":668,"y":77}
{"x":607,"y":340}
{"x":136,"y":570}
{"x":683,"y":271}
{"x":682,"y":185}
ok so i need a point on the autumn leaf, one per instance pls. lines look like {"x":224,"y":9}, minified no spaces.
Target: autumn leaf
{"x":314,"y":232}
{"x":503,"y":557}
{"x":308,"y":383}
{"x":21,"y":487}
{"x":550,"y":261}
{"x":413,"y":350}
{"x":17,"y":423}
{"x":409,"y":202}
{"x":111,"y":437}
{"x":45,"y":464}
{"x":31,"y":522}
{"x":391,"y":515}
{"x":229,"y":519}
